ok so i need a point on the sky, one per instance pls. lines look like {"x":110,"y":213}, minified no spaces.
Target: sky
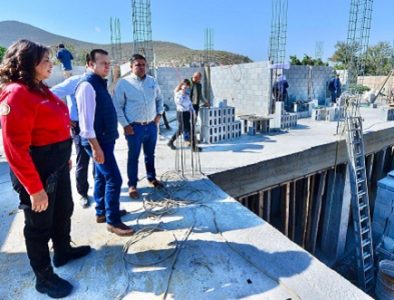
{"x":241,"y":27}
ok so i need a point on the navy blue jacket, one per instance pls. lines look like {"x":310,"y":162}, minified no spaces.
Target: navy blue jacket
{"x":105,"y":118}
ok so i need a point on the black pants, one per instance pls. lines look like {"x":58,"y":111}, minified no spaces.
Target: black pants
{"x":82,"y":163}
{"x":55,"y":222}
{"x":184,"y":126}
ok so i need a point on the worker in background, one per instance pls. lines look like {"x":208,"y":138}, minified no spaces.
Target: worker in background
{"x":335,"y":88}
{"x":279,"y":90}
{"x":65,"y":57}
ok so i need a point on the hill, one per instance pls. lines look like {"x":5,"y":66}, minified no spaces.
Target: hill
{"x":167,"y":53}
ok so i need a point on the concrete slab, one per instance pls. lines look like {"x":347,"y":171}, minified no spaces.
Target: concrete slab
{"x":210,"y":247}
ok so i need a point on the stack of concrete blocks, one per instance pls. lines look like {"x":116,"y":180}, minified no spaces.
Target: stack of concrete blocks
{"x":304,"y":110}
{"x":282,"y":120}
{"x":387,"y":113}
{"x":218,"y":124}
{"x":328,"y":113}
{"x":383,"y":217}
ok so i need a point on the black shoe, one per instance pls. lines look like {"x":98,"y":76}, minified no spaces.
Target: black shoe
{"x":171,"y":145}
{"x":61,"y":257}
{"x":197,"y":149}
{"x":49,"y":283}
{"x":84,"y":201}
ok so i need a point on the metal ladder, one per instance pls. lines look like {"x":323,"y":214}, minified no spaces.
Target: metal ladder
{"x":360,"y":201}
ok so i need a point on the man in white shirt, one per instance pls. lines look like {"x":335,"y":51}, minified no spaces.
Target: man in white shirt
{"x":139,"y":106}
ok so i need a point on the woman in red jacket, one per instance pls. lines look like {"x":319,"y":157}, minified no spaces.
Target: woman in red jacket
{"x":36,"y":136}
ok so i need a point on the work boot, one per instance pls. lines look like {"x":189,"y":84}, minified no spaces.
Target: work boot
{"x":102,"y":219}
{"x":120,"y":229}
{"x":49,"y":283}
{"x":171,"y":144}
{"x":61,"y":257}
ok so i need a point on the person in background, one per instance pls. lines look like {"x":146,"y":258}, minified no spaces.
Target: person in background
{"x":196,"y":95}
{"x":37,"y":143}
{"x":335,"y":88}
{"x":66,"y":89}
{"x":139,"y":105}
{"x":99,"y":131}
{"x":197,"y":98}
{"x":279,"y":90}
{"x":184,"y":111}
{"x":65,"y":57}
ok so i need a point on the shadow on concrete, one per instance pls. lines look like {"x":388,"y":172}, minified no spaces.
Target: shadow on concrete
{"x":214,"y":270}
{"x":220,"y":270}
{"x":244,"y":144}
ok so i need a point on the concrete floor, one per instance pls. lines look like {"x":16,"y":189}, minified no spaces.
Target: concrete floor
{"x":215,"y":248}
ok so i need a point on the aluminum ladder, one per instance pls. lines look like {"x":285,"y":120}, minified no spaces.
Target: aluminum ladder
{"x":360,"y":202}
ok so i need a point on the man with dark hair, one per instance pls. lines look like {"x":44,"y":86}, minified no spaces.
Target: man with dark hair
{"x":65,"y":57}
{"x":139,"y":106}
{"x":99,"y":131}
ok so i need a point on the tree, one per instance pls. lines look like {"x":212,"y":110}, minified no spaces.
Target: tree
{"x":306,"y":61}
{"x":377,"y":60}
{"x":294,"y":60}
{"x":2,"y":52}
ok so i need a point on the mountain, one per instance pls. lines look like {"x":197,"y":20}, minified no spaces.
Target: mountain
{"x":167,"y":53}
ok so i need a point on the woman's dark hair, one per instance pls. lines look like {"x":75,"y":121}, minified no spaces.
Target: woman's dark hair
{"x":19,"y":63}
{"x":186,"y":81}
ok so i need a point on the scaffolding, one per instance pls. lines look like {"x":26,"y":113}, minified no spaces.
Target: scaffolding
{"x":142,"y":31}
{"x":208,"y":46}
{"x":116,"y":44}
{"x":359,"y":28}
{"x":277,"y":42}
{"x":319,"y":50}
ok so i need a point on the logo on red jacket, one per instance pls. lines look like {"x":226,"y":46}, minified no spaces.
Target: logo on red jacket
{"x":4,"y":108}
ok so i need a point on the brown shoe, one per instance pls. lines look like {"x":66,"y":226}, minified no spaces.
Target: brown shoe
{"x":133,"y":192}
{"x":120,"y":229}
{"x":101,"y":219}
{"x":156,"y":184}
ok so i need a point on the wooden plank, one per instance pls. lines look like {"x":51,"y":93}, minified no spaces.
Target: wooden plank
{"x":310,"y":202}
{"x":293,"y":209}
{"x":261,"y":204}
{"x":317,"y":213}
{"x":305,"y":210}
{"x":267,"y":206}
{"x":286,"y":208}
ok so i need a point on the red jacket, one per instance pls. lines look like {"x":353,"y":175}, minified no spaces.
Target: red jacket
{"x":30,"y":119}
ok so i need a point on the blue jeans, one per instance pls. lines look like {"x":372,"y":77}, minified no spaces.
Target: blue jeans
{"x":145,"y":136}
{"x":107,"y":184}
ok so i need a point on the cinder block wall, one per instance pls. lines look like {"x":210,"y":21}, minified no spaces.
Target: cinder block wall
{"x":168,"y":78}
{"x":298,"y":78}
{"x":245,"y":86}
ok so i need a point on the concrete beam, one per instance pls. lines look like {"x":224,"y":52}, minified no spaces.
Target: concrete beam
{"x":275,"y":171}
